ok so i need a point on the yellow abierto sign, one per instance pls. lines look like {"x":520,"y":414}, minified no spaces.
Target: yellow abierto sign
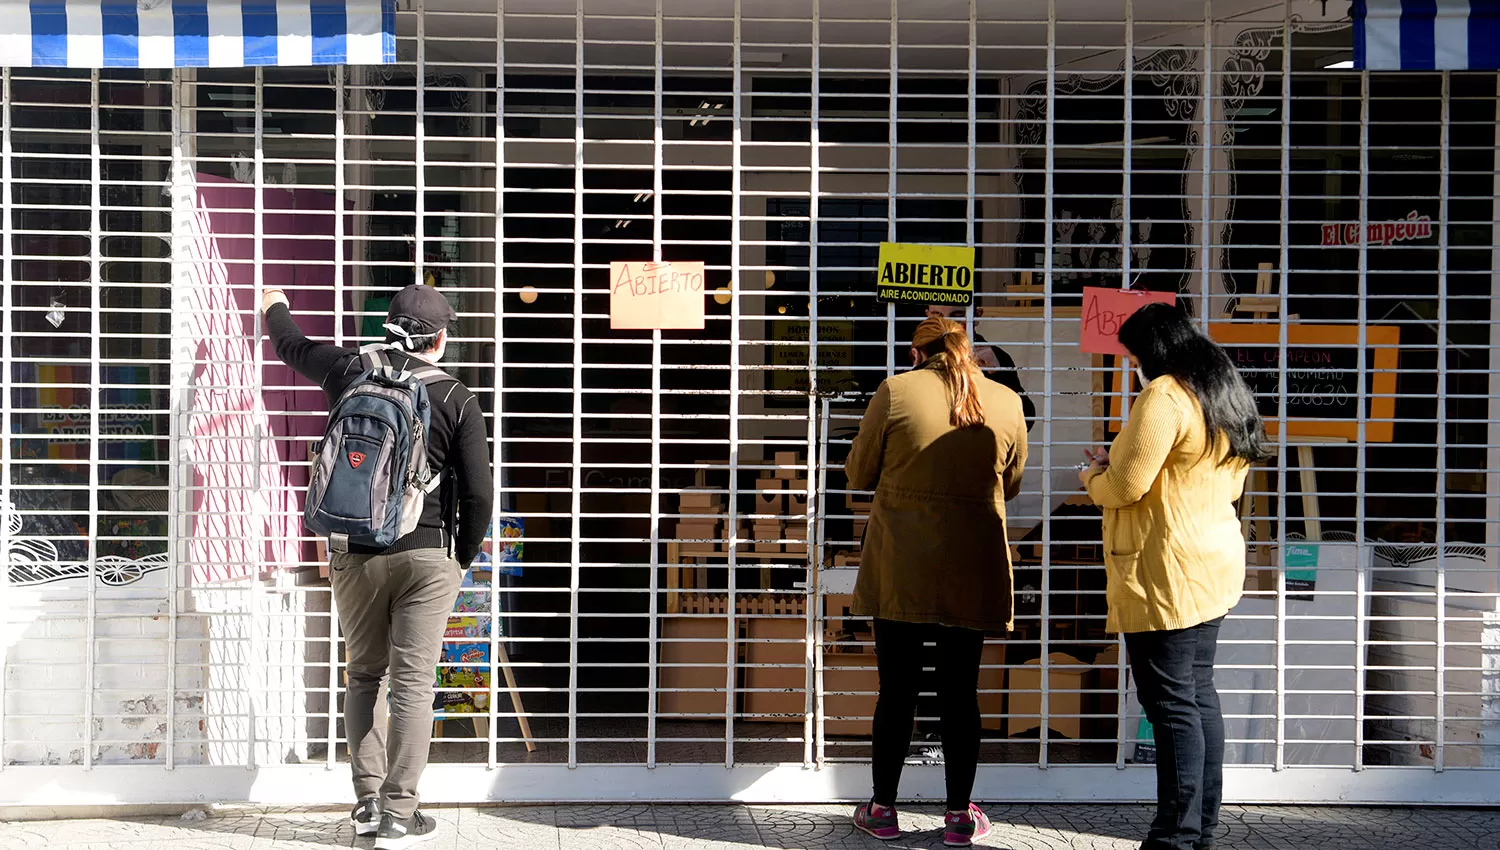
{"x":925,"y":274}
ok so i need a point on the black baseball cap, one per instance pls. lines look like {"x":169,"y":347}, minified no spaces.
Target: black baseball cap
{"x":424,"y":305}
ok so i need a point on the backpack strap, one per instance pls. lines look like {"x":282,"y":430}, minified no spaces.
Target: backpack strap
{"x":376,"y":357}
{"x":432,"y":375}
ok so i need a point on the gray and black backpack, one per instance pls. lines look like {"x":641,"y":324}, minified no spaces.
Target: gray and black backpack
{"x":371,"y":474}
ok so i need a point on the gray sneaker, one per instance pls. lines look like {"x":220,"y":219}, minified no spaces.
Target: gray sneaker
{"x":399,"y":833}
{"x":366,"y":817}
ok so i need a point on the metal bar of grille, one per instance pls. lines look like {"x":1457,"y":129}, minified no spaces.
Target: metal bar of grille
{"x":7,"y":350}
{"x":92,"y":534}
{"x":492,"y":746}
{"x":654,"y":557}
{"x":893,"y":166}
{"x":576,"y":483}
{"x":257,"y":571}
{"x":812,"y":743}
{"x":736,"y":263}
{"x":1440,"y":674}
{"x":1360,"y":576}
{"x":1282,"y":449}
{"x":178,"y":507}
{"x":817,"y":501}
{"x":1048,"y":433}
{"x":340,"y":281}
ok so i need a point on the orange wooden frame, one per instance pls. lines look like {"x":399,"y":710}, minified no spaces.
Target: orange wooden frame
{"x":1384,"y":339}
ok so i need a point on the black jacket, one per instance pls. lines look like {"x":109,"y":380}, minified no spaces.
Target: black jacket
{"x":456,"y":441}
{"x":1005,"y":374}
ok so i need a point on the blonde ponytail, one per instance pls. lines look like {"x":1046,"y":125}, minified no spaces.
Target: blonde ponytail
{"x":944,"y":341}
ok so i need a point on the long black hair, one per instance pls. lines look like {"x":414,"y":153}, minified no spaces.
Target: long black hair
{"x":1164,"y":341}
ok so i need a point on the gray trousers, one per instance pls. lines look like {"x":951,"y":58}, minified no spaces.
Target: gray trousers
{"x":394,"y":611}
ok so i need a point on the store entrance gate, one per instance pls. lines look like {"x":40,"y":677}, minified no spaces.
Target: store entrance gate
{"x":666,"y":595}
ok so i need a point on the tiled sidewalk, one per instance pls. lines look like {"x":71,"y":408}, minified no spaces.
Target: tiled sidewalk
{"x":801,"y":827}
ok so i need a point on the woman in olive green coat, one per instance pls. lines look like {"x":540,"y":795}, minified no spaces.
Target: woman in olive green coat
{"x":944,"y":449}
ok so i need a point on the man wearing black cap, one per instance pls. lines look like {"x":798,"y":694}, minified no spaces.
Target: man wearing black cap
{"x":394,"y":604}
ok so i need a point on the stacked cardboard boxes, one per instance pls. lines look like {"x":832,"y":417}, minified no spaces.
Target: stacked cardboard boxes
{"x":769,"y":668}
{"x":702,"y":522}
{"x":770,"y":506}
{"x":780,"y":502}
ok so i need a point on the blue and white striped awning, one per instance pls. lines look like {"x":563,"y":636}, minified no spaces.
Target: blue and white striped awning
{"x":195,"y":33}
{"x":1427,"y":35}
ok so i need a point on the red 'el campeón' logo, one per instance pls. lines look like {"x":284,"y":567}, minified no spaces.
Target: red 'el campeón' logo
{"x":356,"y":458}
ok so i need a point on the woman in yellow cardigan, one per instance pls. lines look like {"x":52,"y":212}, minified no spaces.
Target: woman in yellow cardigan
{"x":1175,"y":556}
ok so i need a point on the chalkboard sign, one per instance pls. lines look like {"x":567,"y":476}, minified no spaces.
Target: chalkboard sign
{"x":1322,"y":380}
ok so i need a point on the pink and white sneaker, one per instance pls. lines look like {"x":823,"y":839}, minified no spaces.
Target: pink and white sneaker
{"x":962,"y":829}
{"x":877,"y":822}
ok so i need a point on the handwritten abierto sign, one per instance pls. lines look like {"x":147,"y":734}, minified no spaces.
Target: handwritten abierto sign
{"x":1104,"y":310}
{"x":646,"y":296}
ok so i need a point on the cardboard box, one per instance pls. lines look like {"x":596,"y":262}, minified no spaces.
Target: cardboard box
{"x":787,"y":464}
{"x":698,"y":537}
{"x":767,"y":535}
{"x":860,"y":522}
{"x":770,"y":496}
{"x":691,"y":667}
{"x":796,"y":534}
{"x":775,"y":681}
{"x":797,"y":501}
{"x":846,"y":559}
{"x":700,"y":502}
{"x":850,"y":684}
{"x":687,"y":529}
{"x":1064,"y":696}
{"x":744,"y":535}
{"x":843,"y":631}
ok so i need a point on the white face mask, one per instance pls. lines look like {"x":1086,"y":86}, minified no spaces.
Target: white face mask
{"x":1139,"y":373}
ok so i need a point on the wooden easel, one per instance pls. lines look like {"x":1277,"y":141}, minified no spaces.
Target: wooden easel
{"x":1025,"y":293}
{"x":1263,"y":304}
{"x":1255,"y":511}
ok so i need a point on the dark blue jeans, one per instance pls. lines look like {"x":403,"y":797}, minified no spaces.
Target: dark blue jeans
{"x":1174,"y":675}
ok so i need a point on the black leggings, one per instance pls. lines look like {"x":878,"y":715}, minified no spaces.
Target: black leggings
{"x":899,"y":652}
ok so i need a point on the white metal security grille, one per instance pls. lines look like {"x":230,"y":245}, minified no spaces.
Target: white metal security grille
{"x":678,"y":629}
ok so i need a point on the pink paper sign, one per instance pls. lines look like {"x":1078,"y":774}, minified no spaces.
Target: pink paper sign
{"x":645,"y":295}
{"x":1105,"y":310}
